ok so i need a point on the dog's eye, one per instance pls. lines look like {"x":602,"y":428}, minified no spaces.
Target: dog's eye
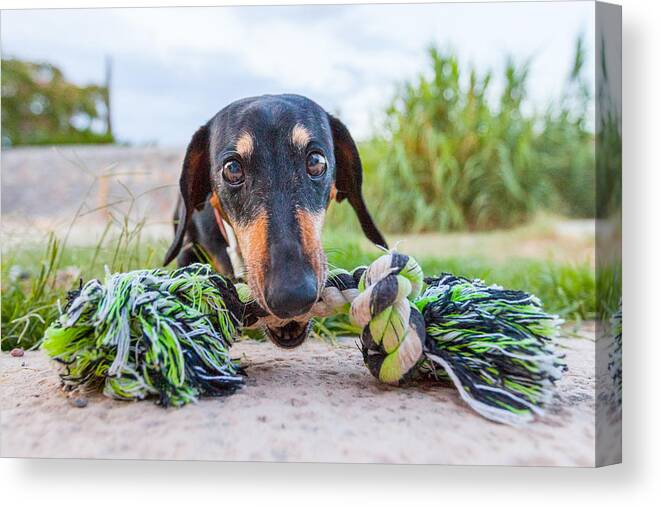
{"x":316,"y":164}
{"x":233,"y":172}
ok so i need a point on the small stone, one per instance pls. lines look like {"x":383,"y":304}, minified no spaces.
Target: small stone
{"x":17,"y":352}
{"x":78,"y":402}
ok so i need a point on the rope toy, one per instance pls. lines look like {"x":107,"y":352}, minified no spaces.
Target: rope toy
{"x":495,"y":345}
{"x":153,"y":333}
{"x":150,"y":333}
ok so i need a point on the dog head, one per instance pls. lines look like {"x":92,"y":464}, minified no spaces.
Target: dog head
{"x":275,"y":163}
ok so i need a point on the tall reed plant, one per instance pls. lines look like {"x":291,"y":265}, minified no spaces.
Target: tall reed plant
{"x":452,"y":157}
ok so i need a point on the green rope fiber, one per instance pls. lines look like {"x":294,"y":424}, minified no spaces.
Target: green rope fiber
{"x":496,"y":345}
{"x":150,"y":333}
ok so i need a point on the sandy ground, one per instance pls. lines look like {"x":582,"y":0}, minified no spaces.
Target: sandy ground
{"x":316,"y":403}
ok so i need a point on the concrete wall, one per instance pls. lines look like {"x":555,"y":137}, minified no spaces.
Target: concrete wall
{"x":52,"y":182}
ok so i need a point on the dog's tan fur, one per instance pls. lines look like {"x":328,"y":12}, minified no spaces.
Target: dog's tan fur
{"x":300,"y":136}
{"x":310,"y":226}
{"x":253,"y":242}
{"x":245,"y":145}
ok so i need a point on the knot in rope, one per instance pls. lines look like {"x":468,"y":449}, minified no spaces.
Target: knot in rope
{"x":393,"y":329}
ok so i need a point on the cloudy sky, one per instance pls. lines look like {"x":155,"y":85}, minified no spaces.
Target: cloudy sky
{"x":175,"y":67}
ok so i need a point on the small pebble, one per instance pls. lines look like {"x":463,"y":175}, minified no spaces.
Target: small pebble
{"x":78,"y":402}
{"x":17,"y":353}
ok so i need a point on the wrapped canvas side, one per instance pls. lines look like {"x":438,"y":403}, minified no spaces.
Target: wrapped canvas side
{"x":608,"y":151}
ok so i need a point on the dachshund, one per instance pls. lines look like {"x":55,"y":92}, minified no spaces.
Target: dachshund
{"x":254,"y":188}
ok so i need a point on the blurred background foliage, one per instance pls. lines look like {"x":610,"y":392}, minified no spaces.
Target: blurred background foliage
{"x":450,"y":157}
{"x":459,"y":149}
{"x":609,"y":144}
{"x":40,"y":106}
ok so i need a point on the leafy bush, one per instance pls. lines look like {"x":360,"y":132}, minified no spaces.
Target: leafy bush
{"x":39,"y":106}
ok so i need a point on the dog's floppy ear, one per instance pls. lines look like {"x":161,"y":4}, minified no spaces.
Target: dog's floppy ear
{"x":194,"y":185}
{"x":349,"y":179}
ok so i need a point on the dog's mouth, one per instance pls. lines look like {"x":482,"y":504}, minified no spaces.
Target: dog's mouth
{"x":289,"y":336}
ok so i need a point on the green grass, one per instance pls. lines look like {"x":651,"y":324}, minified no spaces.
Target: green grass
{"x":34,"y":278}
{"x":565,"y":289}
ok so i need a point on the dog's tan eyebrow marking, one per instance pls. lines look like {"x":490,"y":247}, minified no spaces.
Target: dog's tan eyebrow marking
{"x":245,"y":144}
{"x":300,"y":136}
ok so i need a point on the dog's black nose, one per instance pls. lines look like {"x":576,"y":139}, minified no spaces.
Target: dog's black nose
{"x":291,"y":294}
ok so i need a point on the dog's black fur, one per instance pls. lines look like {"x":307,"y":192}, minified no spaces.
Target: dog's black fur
{"x":277,"y":210}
